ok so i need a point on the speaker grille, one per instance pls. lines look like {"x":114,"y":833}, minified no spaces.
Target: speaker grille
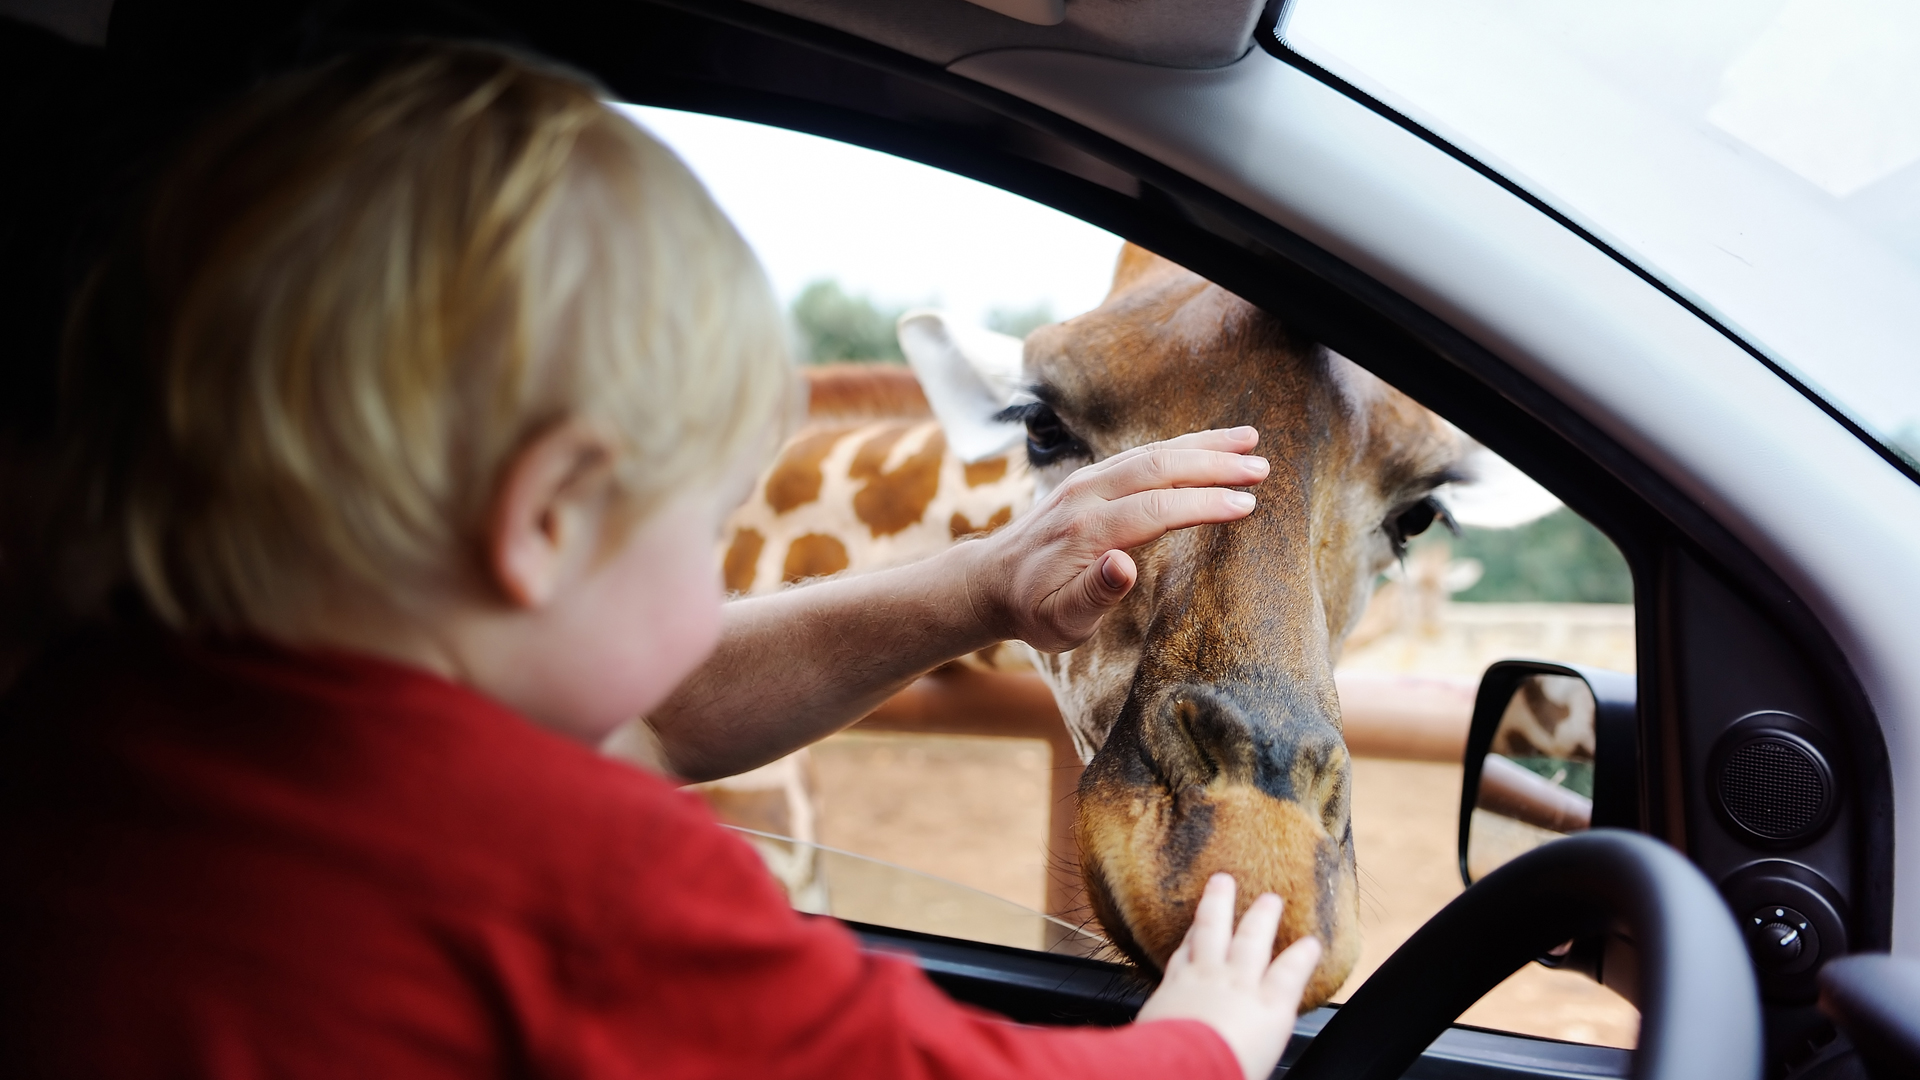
{"x":1774,"y":788}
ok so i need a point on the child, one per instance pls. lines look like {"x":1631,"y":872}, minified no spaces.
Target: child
{"x":410,"y":415}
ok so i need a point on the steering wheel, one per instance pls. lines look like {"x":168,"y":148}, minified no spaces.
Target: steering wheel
{"x":1699,"y":1005}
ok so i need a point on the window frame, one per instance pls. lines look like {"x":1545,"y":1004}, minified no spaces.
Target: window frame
{"x":738,"y":60}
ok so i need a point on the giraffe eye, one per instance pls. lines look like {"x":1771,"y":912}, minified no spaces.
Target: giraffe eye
{"x":1048,"y":440}
{"x":1414,"y":520}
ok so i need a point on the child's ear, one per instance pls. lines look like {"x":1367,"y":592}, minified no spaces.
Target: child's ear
{"x":549,"y":514}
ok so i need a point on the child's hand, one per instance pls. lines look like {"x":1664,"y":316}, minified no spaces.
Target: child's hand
{"x":1224,"y":979}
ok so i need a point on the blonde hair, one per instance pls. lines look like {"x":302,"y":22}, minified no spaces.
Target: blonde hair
{"x":362,"y":290}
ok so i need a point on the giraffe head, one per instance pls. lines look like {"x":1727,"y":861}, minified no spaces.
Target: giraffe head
{"x":1205,"y":703}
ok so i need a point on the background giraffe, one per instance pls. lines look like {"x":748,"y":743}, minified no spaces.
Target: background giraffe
{"x":867,"y":482}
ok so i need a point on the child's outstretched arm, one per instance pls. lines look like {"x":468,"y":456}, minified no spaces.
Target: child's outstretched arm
{"x":794,"y":667}
{"x":1230,"y":980}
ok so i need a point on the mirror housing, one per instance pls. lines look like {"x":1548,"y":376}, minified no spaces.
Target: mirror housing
{"x":1534,"y":800}
{"x":1616,"y":771}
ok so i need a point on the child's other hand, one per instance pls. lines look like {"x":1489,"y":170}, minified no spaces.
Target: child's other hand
{"x":1225,"y":980}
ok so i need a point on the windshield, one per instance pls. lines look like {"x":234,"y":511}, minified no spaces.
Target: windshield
{"x":1760,"y":157}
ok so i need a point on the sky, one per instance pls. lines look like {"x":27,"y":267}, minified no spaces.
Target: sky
{"x":898,"y":231}
{"x":908,"y":234}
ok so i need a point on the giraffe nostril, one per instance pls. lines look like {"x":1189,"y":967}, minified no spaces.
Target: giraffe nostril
{"x":1173,"y":751}
{"x":1333,"y":807}
{"x":1201,"y":734}
{"x":1197,"y":736}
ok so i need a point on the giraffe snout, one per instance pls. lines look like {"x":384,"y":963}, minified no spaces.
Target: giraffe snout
{"x":1206,"y":736}
{"x":1243,"y":778}
{"x":1198,"y":737}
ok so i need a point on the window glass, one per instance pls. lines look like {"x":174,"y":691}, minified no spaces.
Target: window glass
{"x":851,"y":239}
{"x":981,"y":794}
{"x":1550,"y":588}
{"x":1761,"y":158}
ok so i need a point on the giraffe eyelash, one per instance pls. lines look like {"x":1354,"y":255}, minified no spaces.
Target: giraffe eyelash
{"x":1048,"y":440}
{"x":1415,"y":520}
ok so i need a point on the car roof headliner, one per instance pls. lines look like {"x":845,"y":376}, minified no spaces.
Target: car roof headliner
{"x":1170,"y":33}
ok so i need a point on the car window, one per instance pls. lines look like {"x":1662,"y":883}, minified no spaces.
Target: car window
{"x":863,"y":889}
{"x":1760,"y":159}
{"x":884,"y":812}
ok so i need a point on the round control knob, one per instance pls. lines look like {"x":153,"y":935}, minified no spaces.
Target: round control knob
{"x":1780,"y":937}
{"x":1777,"y":891}
{"x":1780,"y":941}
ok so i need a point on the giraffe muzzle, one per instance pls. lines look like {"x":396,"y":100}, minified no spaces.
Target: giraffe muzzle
{"x":1202,"y":735}
{"x":1203,"y":778}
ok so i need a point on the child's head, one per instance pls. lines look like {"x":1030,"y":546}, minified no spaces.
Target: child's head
{"x":363,"y":291}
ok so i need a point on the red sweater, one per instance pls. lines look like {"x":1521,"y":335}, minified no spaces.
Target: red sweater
{"x":242,"y":861}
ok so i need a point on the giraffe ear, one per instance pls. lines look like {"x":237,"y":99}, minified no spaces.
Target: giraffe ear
{"x":969,"y":374}
{"x":1496,"y":495}
{"x":1135,"y":262}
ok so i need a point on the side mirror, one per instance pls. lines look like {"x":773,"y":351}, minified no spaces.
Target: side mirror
{"x":1552,"y":750}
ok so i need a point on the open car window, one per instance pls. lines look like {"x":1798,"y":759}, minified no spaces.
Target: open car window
{"x":1761,"y":160}
{"x":862,"y":889}
{"x":953,"y":828}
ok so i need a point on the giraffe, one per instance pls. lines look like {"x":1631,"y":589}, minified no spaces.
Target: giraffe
{"x":867,"y":482}
{"x":1204,"y":707}
{"x":1549,"y":716}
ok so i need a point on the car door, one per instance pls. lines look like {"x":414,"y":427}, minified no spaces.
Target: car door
{"x":1767,"y":541}
{"x":1249,"y":173}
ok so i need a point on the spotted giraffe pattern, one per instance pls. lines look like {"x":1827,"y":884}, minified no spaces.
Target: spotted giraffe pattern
{"x":868,"y":482}
{"x":864,"y":492}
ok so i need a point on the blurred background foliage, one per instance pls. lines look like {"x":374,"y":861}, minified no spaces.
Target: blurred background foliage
{"x":1556,"y":559}
{"x":832,"y":325}
{"x":1020,"y":322}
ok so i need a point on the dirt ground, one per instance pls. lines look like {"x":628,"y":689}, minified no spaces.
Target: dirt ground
{"x":974,"y":811}
{"x":971,"y":810}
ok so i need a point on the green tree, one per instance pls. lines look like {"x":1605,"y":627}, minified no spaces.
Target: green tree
{"x":1020,"y":322}
{"x":834,"y":325}
{"x":1557,"y":559}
